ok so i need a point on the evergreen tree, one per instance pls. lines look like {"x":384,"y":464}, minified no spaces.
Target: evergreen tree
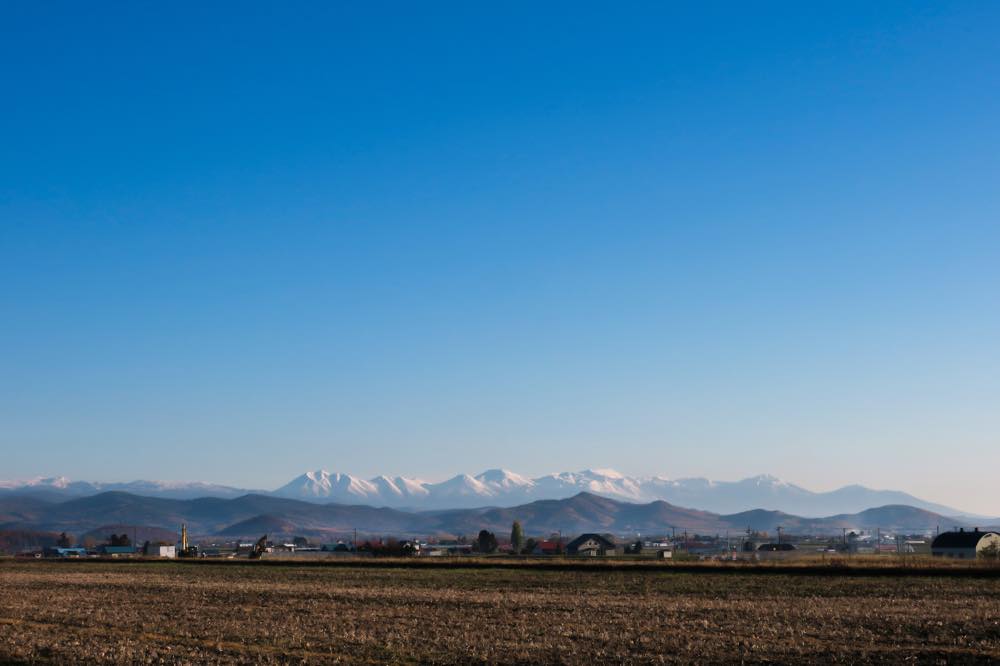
{"x":487,"y":542}
{"x":516,"y":537}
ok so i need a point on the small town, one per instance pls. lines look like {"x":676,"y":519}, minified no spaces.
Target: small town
{"x":961,"y":544}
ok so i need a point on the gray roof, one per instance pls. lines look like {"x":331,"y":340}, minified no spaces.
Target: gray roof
{"x":599,"y":538}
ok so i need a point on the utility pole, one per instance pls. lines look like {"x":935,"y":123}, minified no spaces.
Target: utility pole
{"x":779,"y":534}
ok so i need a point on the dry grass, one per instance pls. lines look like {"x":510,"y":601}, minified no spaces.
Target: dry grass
{"x":909,"y":564}
{"x":152,"y":613}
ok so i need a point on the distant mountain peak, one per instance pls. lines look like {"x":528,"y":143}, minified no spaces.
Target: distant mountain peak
{"x":499,"y":487}
{"x":504,"y":478}
{"x":58,"y":482}
{"x":765,"y":480}
{"x":604,"y":472}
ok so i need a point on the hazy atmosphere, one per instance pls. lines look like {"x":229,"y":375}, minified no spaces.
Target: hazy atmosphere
{"x":239,"y":244}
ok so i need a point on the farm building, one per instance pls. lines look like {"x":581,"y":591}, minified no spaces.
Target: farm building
{"x":594,"y":545}
{"x":966,"y":545}
{"x":115,"y":551}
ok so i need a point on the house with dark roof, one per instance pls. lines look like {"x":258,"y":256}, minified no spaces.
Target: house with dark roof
{"x":593,"y":545}
{"x":966,"y":544}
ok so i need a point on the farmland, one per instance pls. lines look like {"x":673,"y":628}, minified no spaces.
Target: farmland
{"x":89,"y":612}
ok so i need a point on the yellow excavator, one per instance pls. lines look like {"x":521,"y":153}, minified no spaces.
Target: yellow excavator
{"x":259,"y":548}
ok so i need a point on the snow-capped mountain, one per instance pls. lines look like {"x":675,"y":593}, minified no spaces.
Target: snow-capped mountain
{"x":40,"y":482}
{"x":500,"y":487}
{"x":400,"y":488}
{"x":322,"y":485}
{"x":503,"y":480}
{"x":605,"y":482}
{"x":763,"y":491}
{"x":504,"y":488}
{"x":460,"y":487}
{"x":60,"y":486}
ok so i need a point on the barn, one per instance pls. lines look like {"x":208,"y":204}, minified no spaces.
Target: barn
{"x":966,"y":545}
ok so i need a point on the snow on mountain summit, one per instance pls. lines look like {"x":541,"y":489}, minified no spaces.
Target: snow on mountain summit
{"x":502,"y":487}
{"x":503,"y":478}
{"x":462,"y":485}
{"x":605,"y":472}
{"x":54,"y":482}
{"x":765,"y":480}
{"x":321,"y":484}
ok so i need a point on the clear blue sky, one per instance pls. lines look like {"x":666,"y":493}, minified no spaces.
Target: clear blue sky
{"x":242,"y":242}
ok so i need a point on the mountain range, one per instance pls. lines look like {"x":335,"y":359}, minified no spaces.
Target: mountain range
{"x":503,"y":488}
{"x":60,"y":487}
{"x":253,"y":515}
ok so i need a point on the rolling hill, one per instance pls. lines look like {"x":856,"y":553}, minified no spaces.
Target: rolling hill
{"x":251,"y":515}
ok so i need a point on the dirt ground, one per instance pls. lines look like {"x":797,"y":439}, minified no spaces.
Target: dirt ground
{"x":132,"y":613}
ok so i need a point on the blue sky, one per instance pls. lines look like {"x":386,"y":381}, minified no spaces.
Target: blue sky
{"x":241,"y":242}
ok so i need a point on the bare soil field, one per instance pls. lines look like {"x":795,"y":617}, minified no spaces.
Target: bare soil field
{"x":88,"y":612}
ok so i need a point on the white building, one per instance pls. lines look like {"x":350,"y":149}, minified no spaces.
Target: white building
{"x":161,"y":551}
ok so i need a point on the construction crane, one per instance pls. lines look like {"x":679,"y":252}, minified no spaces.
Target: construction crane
{"x":259,"y":548}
